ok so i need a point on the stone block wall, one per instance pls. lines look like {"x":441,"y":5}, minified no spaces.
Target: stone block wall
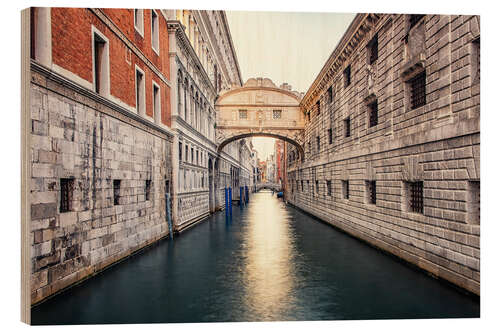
{"x":436,"y":143}
{"x":76,"y":135}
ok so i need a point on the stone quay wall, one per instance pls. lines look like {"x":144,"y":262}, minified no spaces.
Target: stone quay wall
{"x":436,"y":145}
{"x":79,"y":136}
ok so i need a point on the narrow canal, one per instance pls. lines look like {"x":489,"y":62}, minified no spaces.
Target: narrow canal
{"x":268,"y":262}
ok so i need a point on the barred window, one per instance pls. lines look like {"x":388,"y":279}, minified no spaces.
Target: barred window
{"x":474,"y":202}
{"x":243,"y":114}
{"x":417,"y":91}
{"x":371,"y":192}
{"x":416,"y":196}
{"x":345,"y":189}
{"x":276,"y":114}
{"x":330,"y":94}
{"x":67,"y":186}
{"x":347,"y":127}
{"x":373,"y":49}
{"x":116,"y":191}
{"x":373,"y":109}
{"x":329,"y":187}
{"x":330,"y":136}
{"x":414,"y":19}
{"x":347,"y":76}
{"x":147,"y":190}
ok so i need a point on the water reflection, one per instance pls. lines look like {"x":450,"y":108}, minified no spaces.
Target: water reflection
{"x":268,"y":267}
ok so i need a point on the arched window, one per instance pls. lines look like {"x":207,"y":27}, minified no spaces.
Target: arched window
{"x":179,"y":94}
{"x":185,"y":98}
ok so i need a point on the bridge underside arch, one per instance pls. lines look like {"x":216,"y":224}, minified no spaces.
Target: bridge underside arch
{"x":295,"y":139}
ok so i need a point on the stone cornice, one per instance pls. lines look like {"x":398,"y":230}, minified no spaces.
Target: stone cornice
{"x":112,"y":26}
{"x":121,"y":112}
{"x":185,"y":44}
{"x":357,"y":30}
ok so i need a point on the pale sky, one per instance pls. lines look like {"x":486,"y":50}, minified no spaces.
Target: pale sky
{"x":285,"y":47}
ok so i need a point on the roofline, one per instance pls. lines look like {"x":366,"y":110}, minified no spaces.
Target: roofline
{"x":335,"y":53}
{"x":226,"y":25}
{"x":242,"y":88}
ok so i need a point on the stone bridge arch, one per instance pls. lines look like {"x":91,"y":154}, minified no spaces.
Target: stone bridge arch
{"x":260,"y":108}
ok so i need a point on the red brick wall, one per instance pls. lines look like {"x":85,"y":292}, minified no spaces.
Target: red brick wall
{"x":72,"y":50}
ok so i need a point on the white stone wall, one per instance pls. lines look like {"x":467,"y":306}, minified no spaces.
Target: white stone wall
{"x":76,"y":137}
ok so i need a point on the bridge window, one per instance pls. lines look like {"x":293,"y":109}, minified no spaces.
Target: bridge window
{"x":347,"y":76}
{"x":373,"y":50}
{"x":371,"y":192}
{"x":243,"y":114}
{"x":417,"y":91}
{"x":330,"y":136}
{"x":147,"y":190}
{"x":347,"y":127}
{"x":116,"y":191}
{"x":67,"y":186}
{"x":329,"y":187}
{"x":373,"y":113}
{"x":276,"y":114}
{"x":345,"y":189}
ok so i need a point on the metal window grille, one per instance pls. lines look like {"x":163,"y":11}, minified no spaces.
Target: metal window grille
{"x":148,"y":189}
{"x":347,"y":76}
{"x":329,"y":187}
{"x":414,"y":19}
{"x":330,"y":136}
{"x":417,"y":86}
{"x":372,"y":191}
{"x":345,"y":183}
{"x":373,"y":113}
{"x":276,"y":114}
{"x":347,"y":126}
{"x":116,"y":191}
{"x":243,"y":114}
{"x":373,"y":47}
{"x":66,"y":194}
{"x":417,"y":197}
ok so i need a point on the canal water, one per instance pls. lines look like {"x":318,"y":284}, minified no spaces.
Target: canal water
{"x":268,"y":262}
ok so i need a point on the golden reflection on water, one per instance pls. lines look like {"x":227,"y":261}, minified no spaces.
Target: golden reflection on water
{"x":268,"y":269}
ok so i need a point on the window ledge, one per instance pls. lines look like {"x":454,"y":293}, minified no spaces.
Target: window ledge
{"x":413,"y":67}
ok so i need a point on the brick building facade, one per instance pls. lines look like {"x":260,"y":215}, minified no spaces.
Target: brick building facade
{"x":100,"y":140}
{"x":392,"y":141}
